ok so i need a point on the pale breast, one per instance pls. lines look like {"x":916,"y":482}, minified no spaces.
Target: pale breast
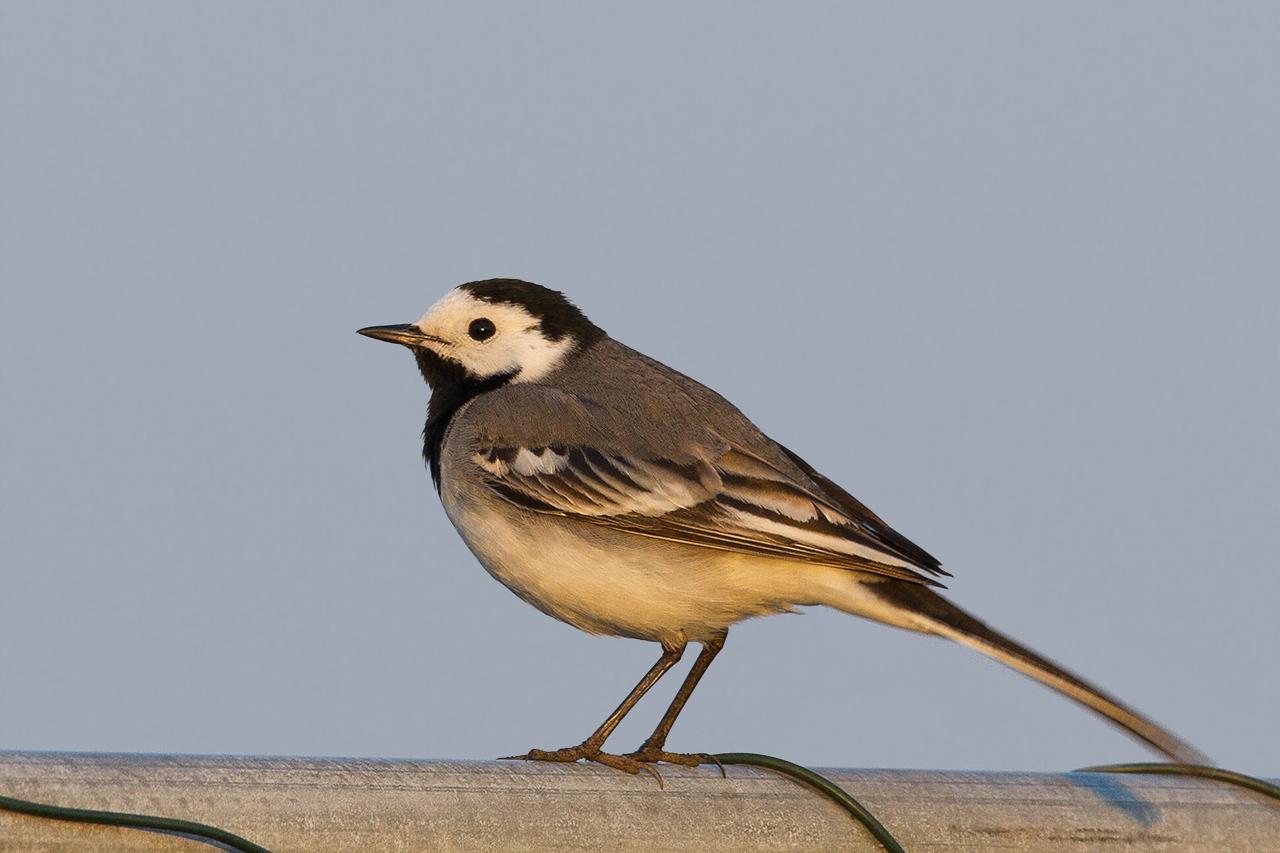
{"x":616,"y":583}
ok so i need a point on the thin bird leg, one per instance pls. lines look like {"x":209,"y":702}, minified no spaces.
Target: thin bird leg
{"x":652,"y":749}
{"x":589,"y":749}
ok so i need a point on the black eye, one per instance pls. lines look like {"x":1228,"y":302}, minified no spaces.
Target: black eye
{"x":481,"y":329}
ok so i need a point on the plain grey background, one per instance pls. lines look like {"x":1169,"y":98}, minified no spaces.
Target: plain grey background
{"x":1006,"y":271}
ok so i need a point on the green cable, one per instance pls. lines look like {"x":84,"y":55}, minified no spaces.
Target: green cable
{"x":199,"y":831}
{"x":837,"y":794}
{"x":1198,"y":770}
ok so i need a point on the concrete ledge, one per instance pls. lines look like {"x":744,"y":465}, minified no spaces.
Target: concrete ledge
{"x":313,"y":805}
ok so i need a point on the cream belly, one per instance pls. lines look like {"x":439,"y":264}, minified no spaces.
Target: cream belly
{"x":621,"y":584}
{"x":611,"y":582}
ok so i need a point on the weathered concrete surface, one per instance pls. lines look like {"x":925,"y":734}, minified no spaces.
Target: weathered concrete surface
{"x":310,"y":805}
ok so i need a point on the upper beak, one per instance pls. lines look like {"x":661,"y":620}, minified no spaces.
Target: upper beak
{"x":405,"y":333}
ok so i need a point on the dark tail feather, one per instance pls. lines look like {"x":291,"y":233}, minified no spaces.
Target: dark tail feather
{"x":945,"y":619}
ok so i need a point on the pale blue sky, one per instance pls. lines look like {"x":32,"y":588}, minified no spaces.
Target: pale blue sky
{"x":1008,"y":272}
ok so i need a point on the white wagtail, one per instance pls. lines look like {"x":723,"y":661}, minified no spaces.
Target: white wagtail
{"x":622,"y":497}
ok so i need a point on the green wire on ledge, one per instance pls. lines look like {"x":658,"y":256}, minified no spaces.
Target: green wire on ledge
{"x":190,"y":828}
{"x":1198,"y":770}
{"x":815,"y":780}
{"x":886,"y":839}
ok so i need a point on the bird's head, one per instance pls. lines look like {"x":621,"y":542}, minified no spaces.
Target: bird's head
{"x":501,"y":329}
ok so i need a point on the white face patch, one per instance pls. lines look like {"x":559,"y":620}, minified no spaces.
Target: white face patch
{"x":517,"y":344}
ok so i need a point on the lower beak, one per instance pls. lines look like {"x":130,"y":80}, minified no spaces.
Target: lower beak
{"x":406,"y":334}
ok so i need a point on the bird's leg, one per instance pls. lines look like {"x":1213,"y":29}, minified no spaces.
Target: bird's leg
{"x":589,"y":749}
{"x":653,"y":748}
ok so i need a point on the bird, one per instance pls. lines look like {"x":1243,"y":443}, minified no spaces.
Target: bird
{"x":620,"y":496}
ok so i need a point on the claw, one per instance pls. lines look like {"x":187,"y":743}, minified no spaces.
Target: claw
{"x":717,"y":763}
{"x":656,"y":775}
{"x":627,"y":764}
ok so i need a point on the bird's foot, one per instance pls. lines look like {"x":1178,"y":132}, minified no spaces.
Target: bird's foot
{"x":589,"y":752}
{"x":652,"y":755}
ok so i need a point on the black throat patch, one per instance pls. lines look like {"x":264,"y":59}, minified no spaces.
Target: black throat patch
{"x":451,"y":389}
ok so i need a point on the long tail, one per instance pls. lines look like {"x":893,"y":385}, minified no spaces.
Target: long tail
{"x":922,"y":609}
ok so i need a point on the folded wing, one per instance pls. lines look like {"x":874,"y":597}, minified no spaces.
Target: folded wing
{"x":734,"y":501}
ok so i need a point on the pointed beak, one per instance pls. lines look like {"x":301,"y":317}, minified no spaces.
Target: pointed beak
{"x":405,"y":334}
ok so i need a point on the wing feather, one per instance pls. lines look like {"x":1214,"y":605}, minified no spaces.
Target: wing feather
{"x":735,"y":502}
